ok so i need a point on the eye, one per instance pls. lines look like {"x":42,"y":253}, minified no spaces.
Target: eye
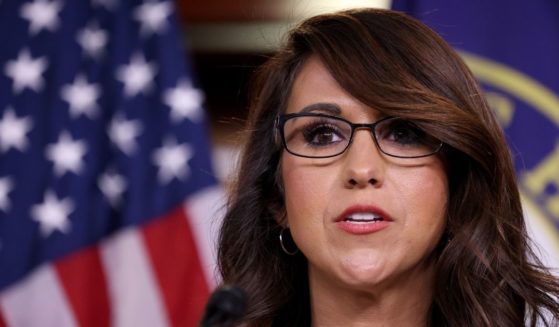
{"x":402,"y":132}
{"x":320,"y":134}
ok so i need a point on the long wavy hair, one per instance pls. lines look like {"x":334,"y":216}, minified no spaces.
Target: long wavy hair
{"x":486,"y":271}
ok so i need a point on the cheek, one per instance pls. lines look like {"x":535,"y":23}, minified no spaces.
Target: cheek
{"x":306,"y":189}
{"x":424,"y":197}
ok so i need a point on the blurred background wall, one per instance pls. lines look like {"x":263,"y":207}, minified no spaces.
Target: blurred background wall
{"x":228,"y":40}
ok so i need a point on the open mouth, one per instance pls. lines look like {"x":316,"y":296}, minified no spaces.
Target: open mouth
{"x":363,"y":218}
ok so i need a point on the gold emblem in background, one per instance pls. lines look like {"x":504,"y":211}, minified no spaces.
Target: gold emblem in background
{"x":546,"y":173}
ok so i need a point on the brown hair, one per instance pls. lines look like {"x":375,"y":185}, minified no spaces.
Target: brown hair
{"x":487,"y":274}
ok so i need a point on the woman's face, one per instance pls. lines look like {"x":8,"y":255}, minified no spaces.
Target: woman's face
{"x":324,"y":197}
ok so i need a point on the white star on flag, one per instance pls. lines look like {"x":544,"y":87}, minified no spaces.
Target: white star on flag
{"x":185,"y":101}
{"x":123,"y":133}
{"x":113,"y":186}
{"x":172,"y":160}
{"x":153,"y":16}
{"x":6,"y":186}
{"x":86,"y":144}
{"x":53,"y":214}
{"x":13,"y":131}
{"x":137,"y":76}
{"x":26,"y":71}
{"x":93,"y":40}
{"x":66,"y":154}
{"x":82,"y":97}
{"x":41,"y":14}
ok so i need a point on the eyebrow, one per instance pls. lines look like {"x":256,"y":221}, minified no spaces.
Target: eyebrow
{"x":326,"y":107}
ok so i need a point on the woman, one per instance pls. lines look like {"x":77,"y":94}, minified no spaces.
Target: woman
{"x":376,"y":188}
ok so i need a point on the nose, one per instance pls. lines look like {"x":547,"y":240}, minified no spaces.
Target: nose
{"x":364,"y":164}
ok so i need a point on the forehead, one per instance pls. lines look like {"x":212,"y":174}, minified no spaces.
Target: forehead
{"x":314,"y":84}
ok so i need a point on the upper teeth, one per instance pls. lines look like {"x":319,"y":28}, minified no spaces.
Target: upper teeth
{"x":364,"y":217}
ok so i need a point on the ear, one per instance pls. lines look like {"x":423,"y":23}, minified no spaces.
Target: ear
{"x":281,"y":219}
{"x":277,"y":206}
{"x":279,"y":214}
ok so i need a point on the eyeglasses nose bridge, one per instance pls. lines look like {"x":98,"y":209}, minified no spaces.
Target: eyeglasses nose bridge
{"x":370,"y":127}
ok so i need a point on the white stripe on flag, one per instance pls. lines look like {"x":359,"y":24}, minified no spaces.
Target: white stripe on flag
{"x":39,"y":300}
{"x":134,"y":296}
{"x":205,"y":211}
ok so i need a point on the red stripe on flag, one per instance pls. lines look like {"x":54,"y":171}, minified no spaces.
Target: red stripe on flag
{"x":82,"y":276}
{"x":176,"y":263}
{"x":2,"y":321}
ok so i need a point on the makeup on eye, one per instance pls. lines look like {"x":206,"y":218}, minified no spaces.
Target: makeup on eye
{"x":324,"y":132}
{"x":316,"y":129}
{"x":400,"y":131}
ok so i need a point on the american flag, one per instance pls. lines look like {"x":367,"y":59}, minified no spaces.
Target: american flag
{"x":107,"y":196}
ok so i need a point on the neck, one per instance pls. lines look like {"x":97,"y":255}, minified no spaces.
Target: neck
{"x":405,"y":302}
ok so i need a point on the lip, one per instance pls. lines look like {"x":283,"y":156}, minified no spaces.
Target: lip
{"x":362,"y":228}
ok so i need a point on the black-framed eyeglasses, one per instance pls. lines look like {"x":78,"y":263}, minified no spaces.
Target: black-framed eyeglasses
{"x":314,"y":135}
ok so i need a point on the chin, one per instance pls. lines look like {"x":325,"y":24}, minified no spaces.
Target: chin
{"x":361,"y":279}
{"x":362,"y":270}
